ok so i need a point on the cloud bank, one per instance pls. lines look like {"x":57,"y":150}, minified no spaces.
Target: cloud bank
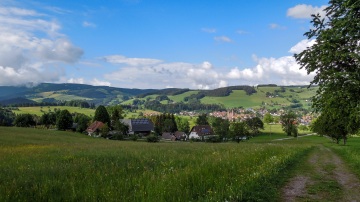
{"x":305,"y":11}
{"x":140,"y":72}
{"x":24,"y":56}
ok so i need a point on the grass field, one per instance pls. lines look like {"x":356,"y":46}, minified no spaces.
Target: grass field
{"x":350,"y":153}
{"x":58,"y":96}
{"x":41,"y":110}
{"x":46,"y":165}
{"x":238,"y":98}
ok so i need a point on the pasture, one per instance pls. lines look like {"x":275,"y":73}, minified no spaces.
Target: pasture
{"x":40,"y":165}
{"x":41,"y":110}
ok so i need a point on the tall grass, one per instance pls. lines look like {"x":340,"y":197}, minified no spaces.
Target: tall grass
{"x":350,"y":153}
{"x":39,"y":165}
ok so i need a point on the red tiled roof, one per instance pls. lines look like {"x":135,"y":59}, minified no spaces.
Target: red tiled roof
{"x":94,"y":126}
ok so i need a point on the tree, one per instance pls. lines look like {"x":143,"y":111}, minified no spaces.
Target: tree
{"x":303,"y":128}
{"x":220,"y":127}
{"x":335,"y":59}
{"x":289,"y":123}
{"x":101,"y":114}
{"x":82,"y":122}
{"x":268,"y":119}
{"x":48,"y":119}
{"x":6,"y":117}
{"x":202,"y":120}
{"x":254,"y":124}
{"x":168,"y":126}
{"x":64,"y":120}
{"x":182,"y":124}
{"x":239,"y":131}
{"x":325,"y":124}
{"x":24,"y":120}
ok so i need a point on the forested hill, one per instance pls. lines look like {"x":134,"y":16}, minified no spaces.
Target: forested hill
{"x":176,"y":99}
{"x":64,"y":92}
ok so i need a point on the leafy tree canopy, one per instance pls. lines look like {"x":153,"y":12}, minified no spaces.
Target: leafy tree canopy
{"x":101,"y":114}
{"x":335,"y":59}
{"x":64,"y":120}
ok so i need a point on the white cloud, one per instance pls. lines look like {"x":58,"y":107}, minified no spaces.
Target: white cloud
{"x":76,"y":80}
{"x":281,"y":71}
{"x":276,"y":26}
{"x":97,"y":82}
{"x":119,"y":59}
{"x":209,"y":30}
{"x":302,"y":45}
{"x":17,"y":11}
{"x":31,"y":47}
{"x":161,"y":75}
{"x":222,"y":39}
{"x":242,"y":32}
{"x":88,"y":24}
{"x":305,"y":11}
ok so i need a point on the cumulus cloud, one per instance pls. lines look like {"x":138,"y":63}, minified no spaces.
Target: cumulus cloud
{"x":76,"y":80}
{"x":283,"y":70}
{"x":31,"y":47}
{"x":209,"y":30}
{"x":160,"y":74}
{"x":222,"y":39}
{"x":97,"y":82}
{"x":302,"y":45}
{"x":119,"y":59}
{"x":88,"y":24}
{"x":241,"y":32}
{"x":305,"y":11}
{"x":276,"y":26}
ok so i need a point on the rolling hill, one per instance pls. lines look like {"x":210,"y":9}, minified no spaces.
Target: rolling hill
{"x":269,"y":96}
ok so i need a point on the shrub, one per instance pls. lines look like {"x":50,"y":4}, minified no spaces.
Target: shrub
{"x":134,"y":137}
{"x":214,"y":139}
{"x":153,"y":138}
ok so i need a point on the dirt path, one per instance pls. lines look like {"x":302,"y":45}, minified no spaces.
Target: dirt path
{"x":323,"y":177}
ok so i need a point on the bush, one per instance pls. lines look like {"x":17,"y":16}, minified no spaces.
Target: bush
{"x":118,"y":136}
{"x":134,"y":137}
{"x":153,"y":138}
{"x":214,"y":139}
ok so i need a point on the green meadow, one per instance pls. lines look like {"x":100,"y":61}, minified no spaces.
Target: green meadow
{"x":48,"y":165}
{"x":41,"y":110}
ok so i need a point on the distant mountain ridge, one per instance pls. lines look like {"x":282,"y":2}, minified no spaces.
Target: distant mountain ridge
{"x":269,"y":95}
{"x":67,"y":91}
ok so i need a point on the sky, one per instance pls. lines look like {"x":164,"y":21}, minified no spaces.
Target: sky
{"x":155,"y":44}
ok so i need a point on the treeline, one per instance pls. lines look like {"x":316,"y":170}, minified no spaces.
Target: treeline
{"x":220,"y":92}
{"x":7,"y":117}
{"x":168,"y":91}
{"x":178,"y":107}
{"x":72,"y":103}
{"x":267,"y":85}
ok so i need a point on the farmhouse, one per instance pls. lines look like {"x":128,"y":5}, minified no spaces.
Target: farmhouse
{"x":168,"y":136}
{"x":200,"y":131}
{"x":94,"y":128}
{"x":180,"y":135}
{"x":139,"y":126}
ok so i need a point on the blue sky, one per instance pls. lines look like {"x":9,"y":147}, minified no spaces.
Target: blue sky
{"x":154,"y":43}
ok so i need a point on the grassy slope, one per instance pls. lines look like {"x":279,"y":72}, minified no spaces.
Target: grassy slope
{"x":58,"y":96}
{"x":180,"y":97}
{"x":50,"y":165}
{"x":37,"y":110}
{"x":239,"y":98}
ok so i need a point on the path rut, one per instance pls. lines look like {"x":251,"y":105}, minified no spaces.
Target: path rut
{"x":324,"y":177}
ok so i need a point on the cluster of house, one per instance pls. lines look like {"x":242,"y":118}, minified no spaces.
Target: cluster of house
{"x":243,"y":114}
{"x":144,"y":127}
